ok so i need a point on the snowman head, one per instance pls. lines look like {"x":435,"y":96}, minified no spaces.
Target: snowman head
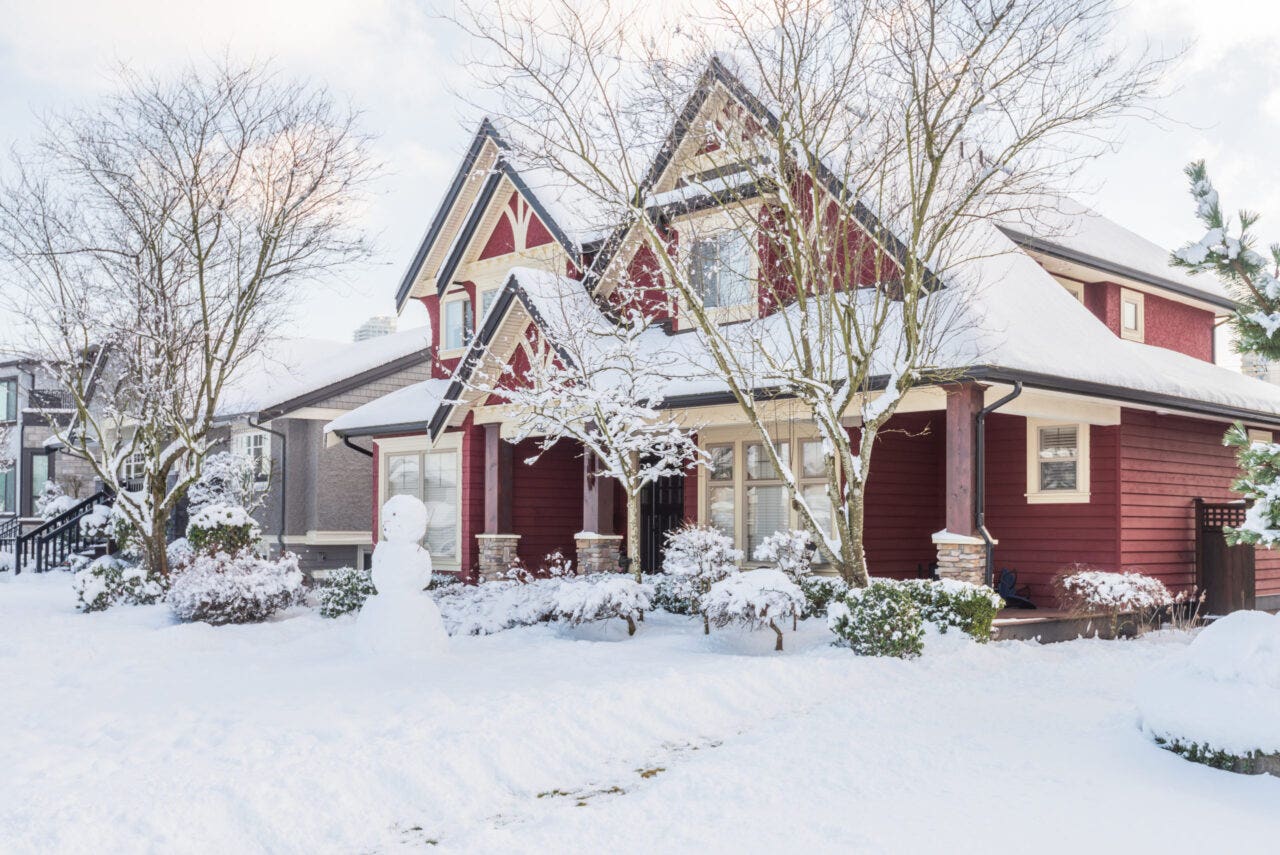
{"x":404,"y":519}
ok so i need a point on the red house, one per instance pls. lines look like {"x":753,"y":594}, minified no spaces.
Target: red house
{"x":1114,"y":433}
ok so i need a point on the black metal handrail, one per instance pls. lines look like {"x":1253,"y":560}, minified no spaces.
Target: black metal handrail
{"x":50,"y":538}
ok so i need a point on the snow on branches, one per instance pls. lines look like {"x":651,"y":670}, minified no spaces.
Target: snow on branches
{"x":1227,"y":250}
{"x":1259,"y":481}
{"x":756,"y":598}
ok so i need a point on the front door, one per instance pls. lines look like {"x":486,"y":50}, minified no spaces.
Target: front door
{"x":661,"y":510}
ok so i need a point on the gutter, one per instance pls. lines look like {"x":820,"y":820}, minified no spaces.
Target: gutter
{"x":980,"y":515}
{"x":284,"y":476}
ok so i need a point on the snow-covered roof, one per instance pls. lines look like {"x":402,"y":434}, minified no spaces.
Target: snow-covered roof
{"x":1073,"y":232}
{"x":294,"y":368}
{"x":411,"y":408}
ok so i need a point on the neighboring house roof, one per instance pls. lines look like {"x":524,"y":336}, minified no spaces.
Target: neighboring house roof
{"x":407,"y":410}
{"x":297,"y":373}
{"x":1072,"y":232}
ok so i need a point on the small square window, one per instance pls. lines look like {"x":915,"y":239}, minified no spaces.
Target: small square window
{"x":1058,"y":462}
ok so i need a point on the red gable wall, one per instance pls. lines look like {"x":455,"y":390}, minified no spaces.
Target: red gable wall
{"x":1167,"y":323}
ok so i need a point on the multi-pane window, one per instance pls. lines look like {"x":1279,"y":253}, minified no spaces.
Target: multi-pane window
{"x":134,"y":467}
{"x":431,"y":476}
{"x":767,"y":506}
{"x":1059,"y":456}
{"x":457,"y":324}
{"x":720,"y":267}
{"x":720,"y":503}
{"x":255,"y":447}
{"x":8,"y":400}
{"x":813,"y":481}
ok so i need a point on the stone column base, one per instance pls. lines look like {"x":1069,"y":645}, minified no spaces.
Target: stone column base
{"x":497,"y":552}
{"x":598,"y":553}
{"x":961,"y":557}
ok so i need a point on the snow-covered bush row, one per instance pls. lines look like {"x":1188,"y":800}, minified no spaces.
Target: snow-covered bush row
{"x":222,"y":528}
{"x":219,"y":588}
{"x":108,"y":581}
{"x":948,"y":603}
{"x":754,"y":598}
{"x":1219,"y":703}
{"x":881,"y":619}
{"x":345,"y":591}
{"x":496,"y":606}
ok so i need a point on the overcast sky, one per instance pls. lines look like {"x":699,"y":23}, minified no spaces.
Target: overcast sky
{"x":392,"y":59}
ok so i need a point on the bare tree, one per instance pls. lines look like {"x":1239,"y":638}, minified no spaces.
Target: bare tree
{"x":155,"y":240}
{"x":855,"y":154}
{"x":598,"y":379}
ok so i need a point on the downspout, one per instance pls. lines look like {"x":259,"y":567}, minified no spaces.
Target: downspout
{"x":284,"y":476}
{"x":980,"y":422}
{"x":351,"y":445}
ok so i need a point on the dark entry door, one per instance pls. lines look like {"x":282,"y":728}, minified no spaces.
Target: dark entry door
{"x":661,"y":510}
{"x":1225,"y":573}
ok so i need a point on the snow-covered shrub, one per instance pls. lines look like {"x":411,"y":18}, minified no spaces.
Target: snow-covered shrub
{"x":948,"y":603}
{"x":602,"y":596}
{"x":222,"y":528}
{"x":96,"y":526}
{"x":496,"y":606}
{"x":108,"y":581}
{"x":219,"y":588}
{"x":673,"y":594}
{"x":345,"y":591}
{"x":820,"y":592}
{"x":756,"y":598}
{"x":1084,"y":591}
{"x":554,"y":566}
{"x":226,"y":479}
{"x":792,"y":552}
{"x":1219,"y":702}
{"x":703,"y":556}
{"x":53,"y":501}
{"x":879,"y":620}
{"x":179,"y":552}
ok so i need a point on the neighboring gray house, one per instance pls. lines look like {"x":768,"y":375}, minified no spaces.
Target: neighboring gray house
{"x":29,"y":398}
{"x":276,"y":413}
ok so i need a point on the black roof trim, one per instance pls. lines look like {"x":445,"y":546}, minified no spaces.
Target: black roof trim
{"x":485,"y":131}
{"x":346,"y":384}
{"x":1063,"y":253}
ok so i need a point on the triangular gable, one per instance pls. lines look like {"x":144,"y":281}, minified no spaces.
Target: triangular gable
{"x":485,"y":174}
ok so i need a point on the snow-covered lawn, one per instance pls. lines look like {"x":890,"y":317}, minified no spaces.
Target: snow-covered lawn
{"x":123,"y":731}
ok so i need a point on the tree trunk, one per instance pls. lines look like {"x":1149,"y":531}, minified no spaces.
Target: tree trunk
{"x":706,"y":625}
{"x":631,"y":625}
{"x":633,"y":535}
{"x":853,"y":563}
{"x":773,"y":626}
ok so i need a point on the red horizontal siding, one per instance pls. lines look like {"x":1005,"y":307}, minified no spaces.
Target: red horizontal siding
{"x":547,"y":500}
{"x":906,"y":494}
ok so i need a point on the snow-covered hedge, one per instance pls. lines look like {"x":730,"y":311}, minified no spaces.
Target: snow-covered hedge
{"x":496,"y":606}
{"x":222,"y":528}
{"x":1100,"y":592}
{"x":948,"y":603}
{"x":881,"y":619}
{"x":1220,"y":702}
{"x":755,"y":598}
{"x":345,"y":591}
{"x":220,"y":588}
{"x":108,"y":581}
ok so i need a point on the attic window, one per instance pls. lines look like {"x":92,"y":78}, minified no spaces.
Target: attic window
{"x":720,"y":267}
{"x":1132,"y":311}
{"x":457,"y":324}
{"x":1057,"y":462}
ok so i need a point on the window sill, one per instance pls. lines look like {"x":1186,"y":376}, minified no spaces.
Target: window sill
{"x":1064,"y":497}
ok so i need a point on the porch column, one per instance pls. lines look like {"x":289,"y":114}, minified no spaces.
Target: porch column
{"x":497,"y":545}
{"x":598,"y":547}
{"x":961,"y":551}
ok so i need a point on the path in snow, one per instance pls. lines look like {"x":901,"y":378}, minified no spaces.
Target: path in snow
{"x":125,"y":732}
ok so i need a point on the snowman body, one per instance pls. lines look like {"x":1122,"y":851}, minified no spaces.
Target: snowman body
{"x":402,"y":620}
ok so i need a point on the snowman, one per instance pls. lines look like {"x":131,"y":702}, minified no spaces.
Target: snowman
{"x":401,"y":620}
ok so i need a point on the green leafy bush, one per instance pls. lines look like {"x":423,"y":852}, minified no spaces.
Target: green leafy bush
{"x":881,"y":619}
{"x":674,"y":594}
{"x":949,"y":603}
{"x":222,"y":528}
{"x":820,"y":592}
{"x":345,"y":592}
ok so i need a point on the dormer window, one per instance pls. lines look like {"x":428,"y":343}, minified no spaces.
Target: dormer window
{"x":457,"y":324}
{"x":721,"y":267}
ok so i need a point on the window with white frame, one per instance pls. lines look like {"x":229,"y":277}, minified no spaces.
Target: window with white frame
{"x":745,"y":496}
{"x":135,"y":466}
{"x":457,"y":323}
{"x":721,"y":269}
{"x":1132,"y":311}
{"x":486,"y":300}
{"x":254,"y":446}
{"x":1057,"y":462}
{"x":431,"y":476}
